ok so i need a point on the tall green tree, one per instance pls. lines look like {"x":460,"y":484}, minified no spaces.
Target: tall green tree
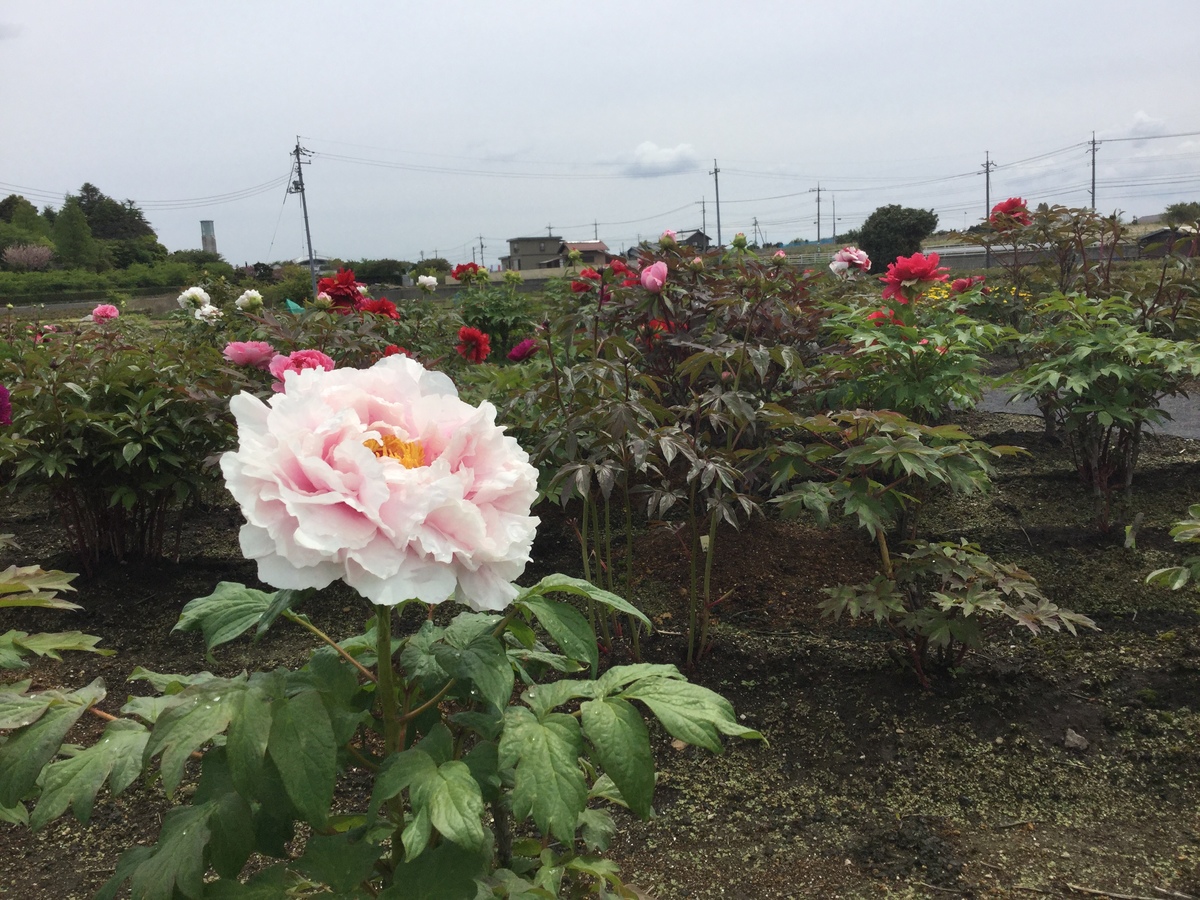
{"x":73,"y":240}
{"x":893,"y":231}
{"x":1186,"y":213}
{"x":110,"y":220}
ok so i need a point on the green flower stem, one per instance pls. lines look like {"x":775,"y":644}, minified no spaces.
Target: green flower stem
{"x":304,"y":623}
{"x":385,"y":690}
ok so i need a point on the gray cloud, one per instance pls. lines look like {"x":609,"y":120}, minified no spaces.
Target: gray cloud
{"x":651,"y":160}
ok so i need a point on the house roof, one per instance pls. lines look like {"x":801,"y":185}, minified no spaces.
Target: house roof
{"x":537,"y":237}
{"x":583,"y":246}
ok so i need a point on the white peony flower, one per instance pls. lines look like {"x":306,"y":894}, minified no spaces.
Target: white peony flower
{"x":427,"y":282}
{"x":384,"y":478}
{"x":193,"y":298}
{"x":208,"y":313}
{"x":250,"y":301}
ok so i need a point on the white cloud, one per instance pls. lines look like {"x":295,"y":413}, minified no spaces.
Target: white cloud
{"x":651,"y":160}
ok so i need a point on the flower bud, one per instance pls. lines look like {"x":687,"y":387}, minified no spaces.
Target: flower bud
{"x":739,"y":241}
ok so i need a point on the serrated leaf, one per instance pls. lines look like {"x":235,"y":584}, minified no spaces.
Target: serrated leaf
{"x":454,"y":802}
{"x":228,"y":612}
{"x":444,"y":872}
{"x":31,"y":747}
{"x":302,"y":746}
{"x":549,"y":783}
{"x":115,"y":758}
{"x":176,"y":862}
{"x":692,"y":713}
{"x":621,"y":744}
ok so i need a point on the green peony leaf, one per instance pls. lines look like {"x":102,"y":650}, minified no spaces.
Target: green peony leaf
{"x":692,"y":713}
{"x":621,"y":742}
{"x":203,"y":712}
{"x":579,"y":587}
{"x":338,"y":861}
{"x":301,"y":744}
{"x":549,"y":783}
{"x":31,"y":747}
{"x":565,"y":625}
{"x":228,"y":612}
{"x":482,"y":662}
{"x":115,"y":758}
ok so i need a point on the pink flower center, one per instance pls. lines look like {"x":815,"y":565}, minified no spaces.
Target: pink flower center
{"x":409,"y":454}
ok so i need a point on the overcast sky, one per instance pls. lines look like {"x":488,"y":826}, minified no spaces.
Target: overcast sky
{"x":434,"y":123}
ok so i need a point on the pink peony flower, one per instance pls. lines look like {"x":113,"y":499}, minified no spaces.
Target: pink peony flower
{"x":250,"y":353}
{"x":298,"y":361}
{"x":780,"y":255}
{"x":909,"y":275}
{"x":385,"y":479}
{"x":105,"y":312}
{"x":524,"y":350}
{"x":654,"y":277}
{"x":849,"y":258}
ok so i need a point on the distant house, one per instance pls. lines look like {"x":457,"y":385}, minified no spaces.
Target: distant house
{"x":1158,"y":244}
{"x":531,"y":252}
{"x":591,"y":253}
{"x":698,"y":240}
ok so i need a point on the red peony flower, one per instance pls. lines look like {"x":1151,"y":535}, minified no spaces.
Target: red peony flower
{"x":619,"y":268}
{"x":393,"y":350}
{"x":523,"y":350}
{"x":5,"y":406}
{"x":908,"y":276}
{"x":473,"y":344}
{"x":590,"y":273}
{"x":464,"y":271}
{"x":1008,"y":213}
{"x":630,"y":282}
{"x":581,"y":287}
{"x":883,"y":317}
{"x":378,"y":307}
{"x":343,"y":290}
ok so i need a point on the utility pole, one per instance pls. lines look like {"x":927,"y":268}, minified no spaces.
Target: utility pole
{"x":756,"y":240}
{"x":703,"y":218}
{"x":833,"y":203}
{"x":717,"y":184}
{"x":298,"y":188}
{"x":595,"y":230}
{"x":1092,"y":149}
{"x":481,"y":251}
{"x":549,"y":231}
{"x":988,"y":165}
{"x":818,"y":212}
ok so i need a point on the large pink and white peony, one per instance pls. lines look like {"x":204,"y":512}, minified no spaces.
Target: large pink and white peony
{"x":384,"y":478}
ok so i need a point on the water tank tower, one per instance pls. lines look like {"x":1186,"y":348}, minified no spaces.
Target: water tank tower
{"x":208,"y":236}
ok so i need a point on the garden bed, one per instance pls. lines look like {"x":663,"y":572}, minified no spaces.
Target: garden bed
{"x":867,"y":786}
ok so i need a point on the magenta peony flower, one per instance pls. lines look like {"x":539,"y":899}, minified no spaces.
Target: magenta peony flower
{"x":523,"y":350}
{"x":909,"y":275}
{"x":298,"y":361}
{"x":654,"y":277}
{"x":105,"y":312}
{"x":250,"y":353}
{"x":5,"y":406}
{"x":385,"y":479}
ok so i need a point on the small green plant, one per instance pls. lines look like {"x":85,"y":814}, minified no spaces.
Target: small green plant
{"x":33,"y":586}
{"x":942,"y":600}
{"x":1185,"y":531}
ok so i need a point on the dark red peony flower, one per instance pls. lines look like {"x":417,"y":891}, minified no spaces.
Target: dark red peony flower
{"x":908,"y":276}
{"x":581,"y":287}
{"x":1008,"y":213}
{"x":473,"y":344}
{"x":378,"y":307}
{"x":343,"y":289}
{"x":962,"y":285}
{"x":524,"y":350}
{"x":393,"y":350}
{"x":5,"y":406}
{"x":464,"y":271}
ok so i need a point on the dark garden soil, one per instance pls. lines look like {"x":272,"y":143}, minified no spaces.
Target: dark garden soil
{"x":868,"y":786}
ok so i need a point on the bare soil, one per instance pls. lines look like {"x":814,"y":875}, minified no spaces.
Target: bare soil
{"x":867,"y":786}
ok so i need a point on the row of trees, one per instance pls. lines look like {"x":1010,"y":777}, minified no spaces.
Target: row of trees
{"x":90,"y":231}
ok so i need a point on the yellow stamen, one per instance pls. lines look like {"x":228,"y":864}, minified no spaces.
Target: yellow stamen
{"x":409,"y":454}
